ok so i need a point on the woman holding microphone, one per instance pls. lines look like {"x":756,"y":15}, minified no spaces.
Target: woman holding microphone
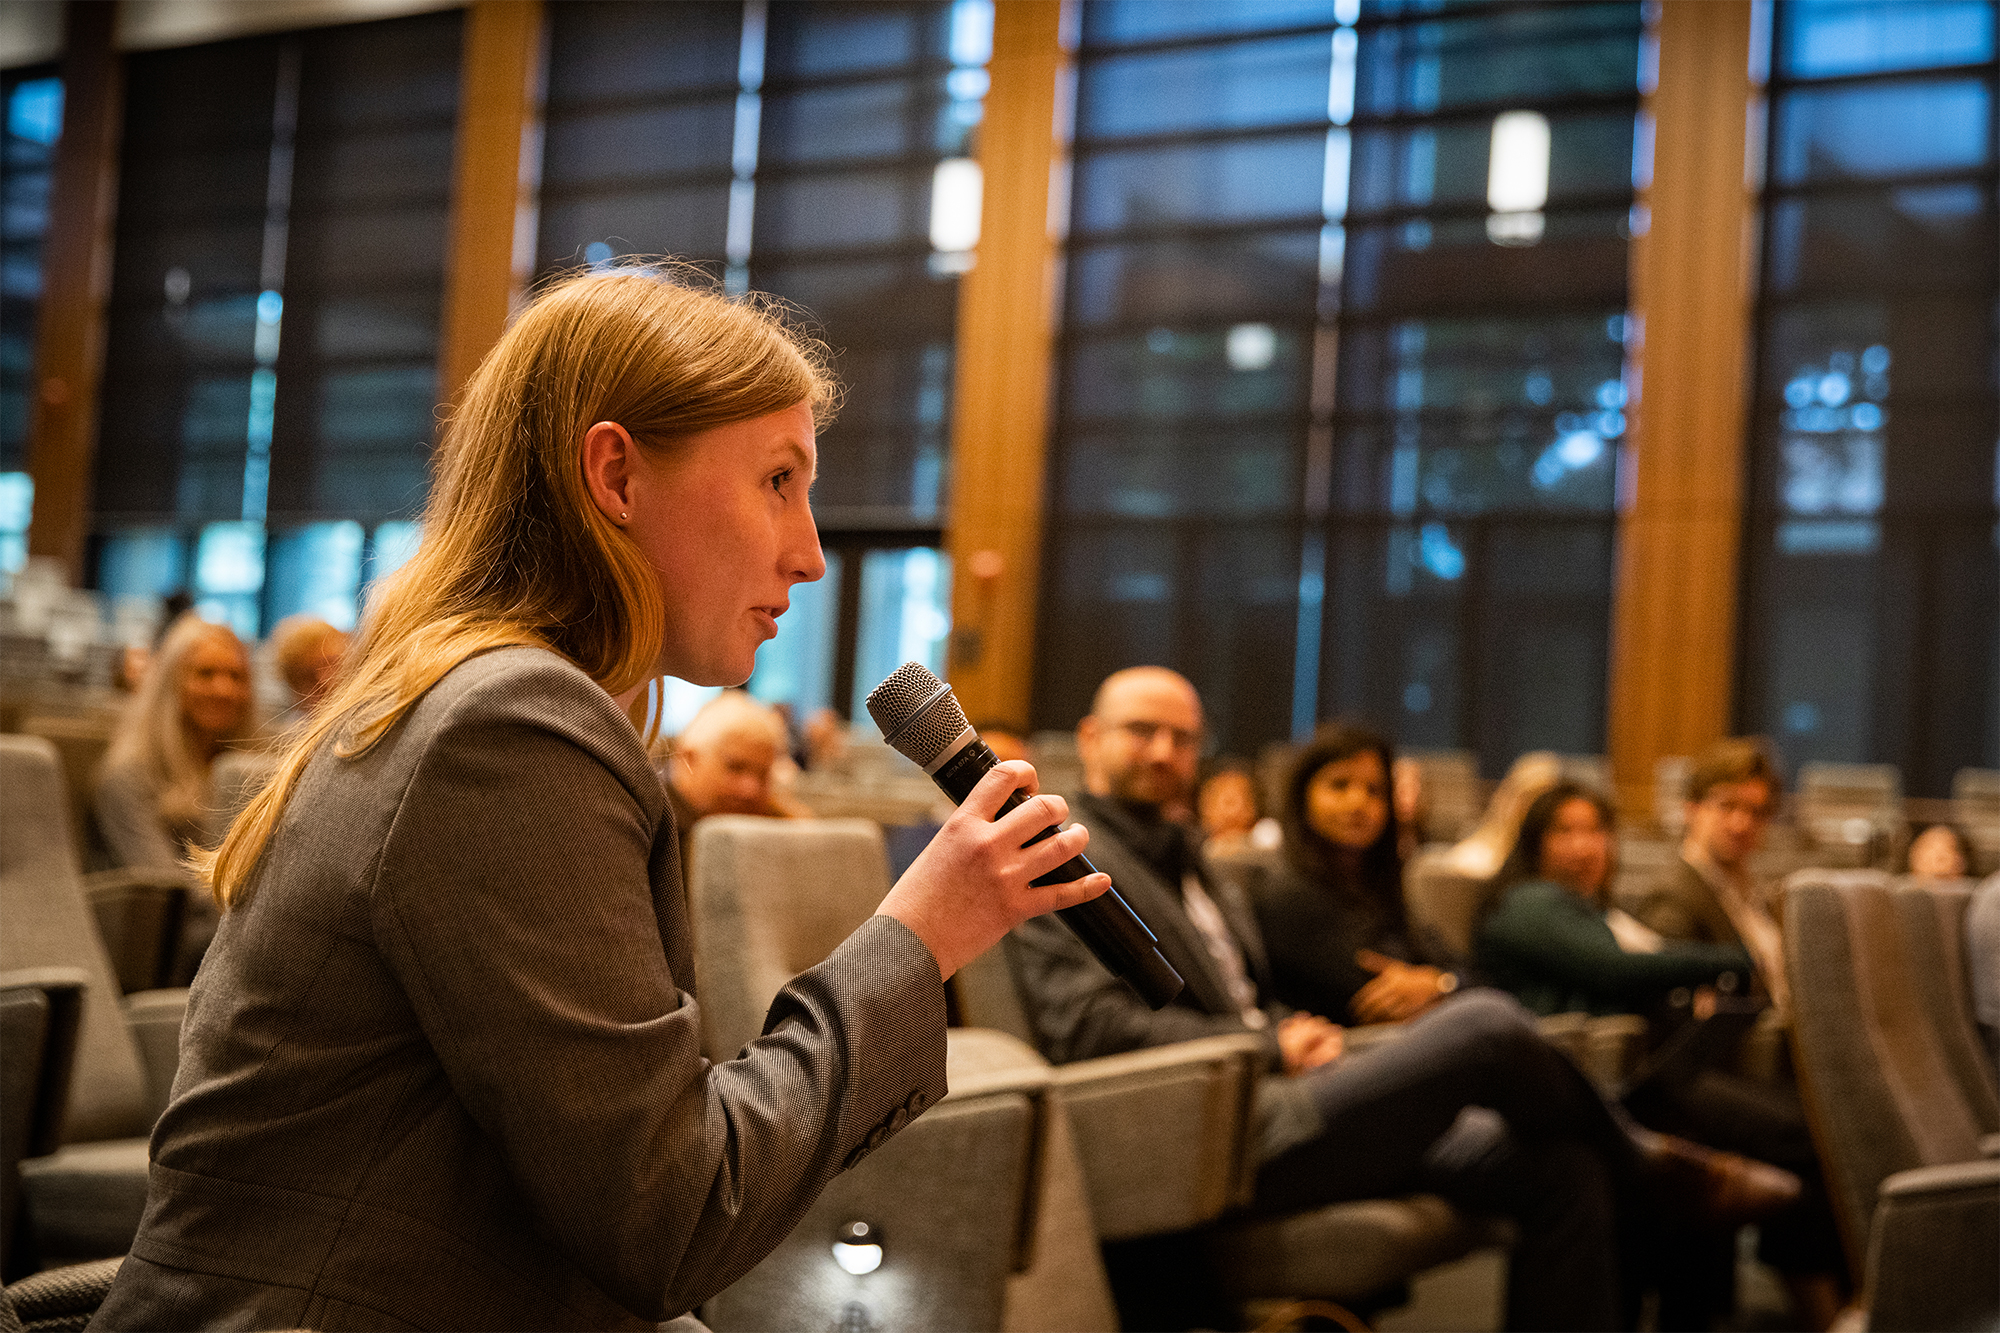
{"x":442,"y":1068}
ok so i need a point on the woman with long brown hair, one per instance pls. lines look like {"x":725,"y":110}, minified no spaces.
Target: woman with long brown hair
{"x":442,"y":1065}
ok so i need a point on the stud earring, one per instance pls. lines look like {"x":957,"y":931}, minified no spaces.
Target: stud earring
{"x":623,"y":516}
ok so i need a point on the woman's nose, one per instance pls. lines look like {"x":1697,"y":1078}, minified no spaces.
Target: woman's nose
{"x":807,"y":561}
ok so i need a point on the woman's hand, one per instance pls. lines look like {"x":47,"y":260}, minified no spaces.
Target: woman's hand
{"x":1307,"y":1041}
{"x":1400,"y":990}
{"x":971,"y":885}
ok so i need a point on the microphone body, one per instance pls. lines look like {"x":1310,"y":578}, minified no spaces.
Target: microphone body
{"x":1107,"y":924}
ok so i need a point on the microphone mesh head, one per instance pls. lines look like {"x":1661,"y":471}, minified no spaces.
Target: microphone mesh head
{"x":918,"y":732}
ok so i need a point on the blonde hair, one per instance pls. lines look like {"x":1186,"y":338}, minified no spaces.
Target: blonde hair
{"x":514,"y":551}
{"x":729,"y":714}
{"x":296,"y":642}
{"x":1482,"y":852}
{"x":152,"y":735}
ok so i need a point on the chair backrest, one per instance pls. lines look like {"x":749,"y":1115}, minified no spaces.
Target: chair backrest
{"x":1933,"y":921}
{"x":1453,"y":793}
{"x":771,"y":898}
{"x":49,"y":924}
{"x":233,"y":779}
{"x":1975,"y":798}
{"x":1850,"y":804}
{"x":1882,"y":1095}
{"x":80,"y":743}
{"x":1670,"y":778}
{"x":39,"y":1012}
{"x":1447,"y":900}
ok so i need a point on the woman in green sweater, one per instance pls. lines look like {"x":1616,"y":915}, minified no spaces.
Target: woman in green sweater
{"x":1556,"y":941}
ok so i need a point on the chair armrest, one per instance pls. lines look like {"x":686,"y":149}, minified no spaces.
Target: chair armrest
{"x":154,"y":1017}
{"x":139,"y":912}
{"x":1163,"y":1133}
{"x":1931,"y":1248}
{"x":1989,"y":1145}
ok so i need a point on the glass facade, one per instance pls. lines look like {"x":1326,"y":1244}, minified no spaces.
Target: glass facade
{"x":1870,"y":543}
{"x":33,"y":102}
{"x":273,"y":325}
{"x":1341,"y":379}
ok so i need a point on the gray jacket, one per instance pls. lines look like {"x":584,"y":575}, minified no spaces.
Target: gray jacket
{"x":443,"y":1068}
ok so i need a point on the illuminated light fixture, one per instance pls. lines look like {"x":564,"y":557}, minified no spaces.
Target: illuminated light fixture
{"x":857,"y":1248}
{"x":1517,"y":178}
{"x":1251,"y":346}
{"x":957,"y":188}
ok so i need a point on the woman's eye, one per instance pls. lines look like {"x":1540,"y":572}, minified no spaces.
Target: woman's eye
{"x":779,"y":479}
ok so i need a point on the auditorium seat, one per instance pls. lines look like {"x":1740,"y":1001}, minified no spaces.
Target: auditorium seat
{"x":1453,"y":794}
{"x":1932,"y":915}
{"x":80,"y":742}
{"x":1975,"y":802}
{"x":39,"y":1012}
{"x":980,"y":1201}
{"x":1851,"y":814}
{"x":85,"y":1198}
{"x":1919,"y":1208}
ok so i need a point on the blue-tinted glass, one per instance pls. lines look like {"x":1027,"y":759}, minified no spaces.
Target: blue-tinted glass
{"x":1251,"y":181}
{"x":886,"y":118}
{"x":377,"y":325}
{"x":797,"y":666}
{"x":1424,"y":266}
{"x":316,"y":570}
{"x":603,"y":50}
{"x":1913,"y":236}
{"x":1177,"y":473}
{"x":1447,"y":163}
{"x":823,"y":40}
{"x":1273,"y":275}
{"x":1932,"y":349}
{"x":371,"y":247}
{"x":1558,"y":363}
{"x":1168,"y":373}
{"x":141,"y":562}
{"x":1520,"y":56}
{"x":1872,"y":131}
{"x":849,"y":210}
{"x":35,"y":111}
{"x":1117,"y":22}
{"x":690,"y":222}
{"x":1240,"y":86}
{"x":1511,"y":460}
{"x":905,"y":615}
{"x":1833,"y":37}
{"x":629,"y":143}
{"x":394,"y":543}
{"x":377,"y":167}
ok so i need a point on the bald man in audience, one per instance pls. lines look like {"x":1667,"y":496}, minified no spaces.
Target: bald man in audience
{"x":723,"y":763}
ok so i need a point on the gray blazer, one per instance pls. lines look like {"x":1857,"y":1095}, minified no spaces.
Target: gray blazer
{"x":443,"y":1068}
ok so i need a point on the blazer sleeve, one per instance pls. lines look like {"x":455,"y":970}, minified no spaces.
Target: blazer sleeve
{"x":1079,"y":1010}
{"x":512,"y":899}
{"x":1540,"y":933}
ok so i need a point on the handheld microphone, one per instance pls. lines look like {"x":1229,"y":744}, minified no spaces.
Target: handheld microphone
{"x":922,"y":721}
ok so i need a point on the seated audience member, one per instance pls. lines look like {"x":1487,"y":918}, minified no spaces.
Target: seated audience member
{"x":1941,"y":851}
{"x":825,"y":737}
{"x":1710,"y":896}
{"x":1558,"y":944}
{"x":1982,"y":954}
{"x":1481,"y":853}
{"x":1232,"y":818}
{"x":1340,"y":940}
{"x":1330,"y":1127}
{"x":1555,"y":940}
{"x":723,"y":763}
{"x":1003,"y":740}
{"x":1412,"y":802}
{"x":307,"y":651}
{"x":150,"y":800}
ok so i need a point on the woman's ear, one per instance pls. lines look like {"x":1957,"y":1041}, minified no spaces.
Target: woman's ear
{"x":608,"y":459}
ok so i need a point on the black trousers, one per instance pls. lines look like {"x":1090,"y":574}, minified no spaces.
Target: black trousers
{"x":1546,"y":1151}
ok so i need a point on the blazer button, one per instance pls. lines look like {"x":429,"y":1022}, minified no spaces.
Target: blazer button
{"x":898,"y":1120}
{"x":876,"y":1135}
{"x":917,"y":1102}
{"x":854,"y":1158}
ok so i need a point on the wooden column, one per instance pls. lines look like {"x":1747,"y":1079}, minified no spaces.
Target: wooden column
{"x":1674,"y":633}
{"x":1006,"y":330}
{"x":495,"y":176}
{"x":76,"y":282}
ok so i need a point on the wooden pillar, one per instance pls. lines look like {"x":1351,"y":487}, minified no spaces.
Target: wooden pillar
{"x":1693,"y":281}
{"x":1006,"y":330}
{"x":76,"y":283}
{"x":495,"y":177}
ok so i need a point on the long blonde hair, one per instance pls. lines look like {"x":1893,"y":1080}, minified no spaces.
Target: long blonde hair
{"x":514,"y":551}
{"x":152,"y":735}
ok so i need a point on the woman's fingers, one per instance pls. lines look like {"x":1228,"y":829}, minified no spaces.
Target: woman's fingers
{"x":1074,"y":892}
{"x":1046,"y":855}
{"x":1374,"y":962}
{"x":1001,"y":781}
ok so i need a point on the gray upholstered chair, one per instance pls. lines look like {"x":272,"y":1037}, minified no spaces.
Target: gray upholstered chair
{"x":1919,"y":1208}
{"x":40,"y":1009}
{"x":85,"y":1198}
{"x":80,"y":742}
{"x":1933,"y":920}
{"x":985,"y":1223}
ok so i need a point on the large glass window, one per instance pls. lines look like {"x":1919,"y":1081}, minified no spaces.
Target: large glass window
{"x":1341,"y":381}
{"x":270,"y":381}
{"x":33,"y":103}
{"x":821,"y":151}
{"x":1870,"y":558}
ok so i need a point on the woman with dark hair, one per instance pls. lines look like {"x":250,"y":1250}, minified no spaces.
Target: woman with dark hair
{"x":1339,"y":938}
{"x":1555,"y":939}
